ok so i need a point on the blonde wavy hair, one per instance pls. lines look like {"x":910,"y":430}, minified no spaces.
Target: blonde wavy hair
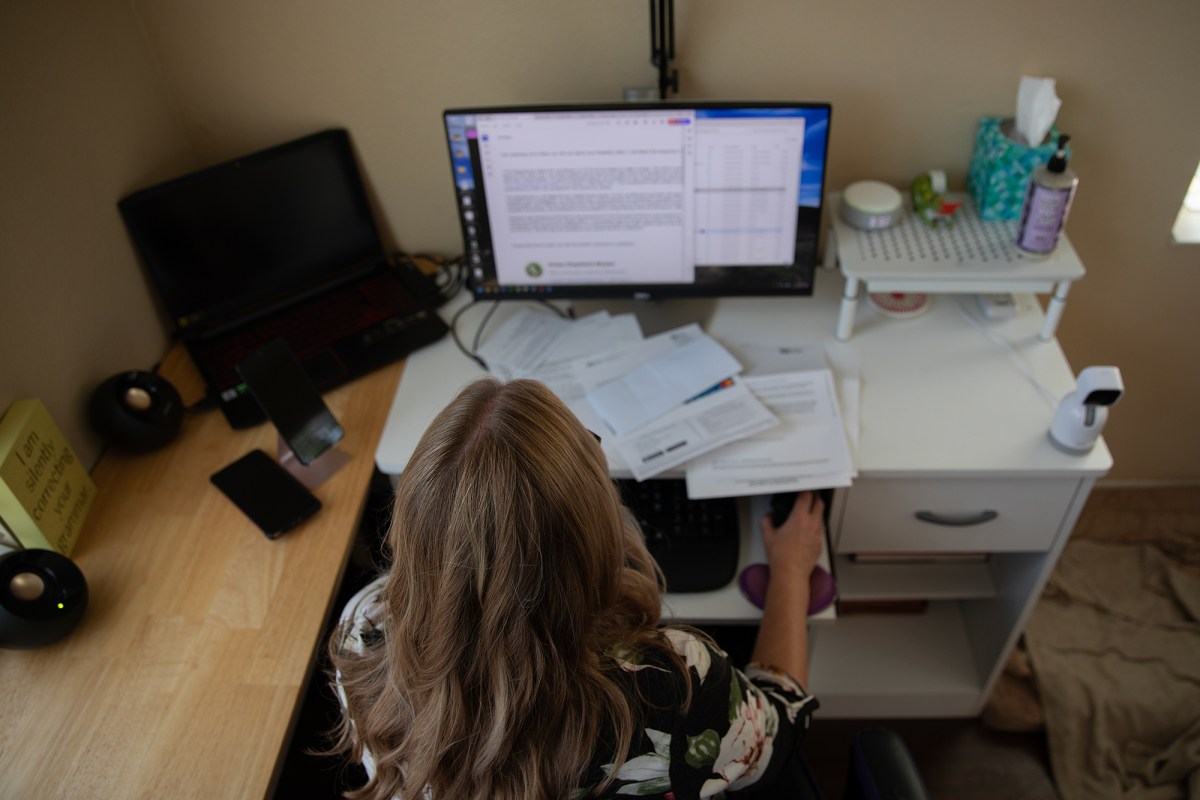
{"x":516,"y":575}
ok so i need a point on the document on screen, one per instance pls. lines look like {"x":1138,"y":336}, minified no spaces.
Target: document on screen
{"x":747,"y":181}
{"x":584,"y":198}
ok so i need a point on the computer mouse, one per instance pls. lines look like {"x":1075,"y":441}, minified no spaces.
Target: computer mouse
{"x":781,"y":506}
{"x":783,"y":502}
{"x":822,"y":589}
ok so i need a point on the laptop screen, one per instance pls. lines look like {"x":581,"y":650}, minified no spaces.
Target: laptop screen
{"x":250,"y":232}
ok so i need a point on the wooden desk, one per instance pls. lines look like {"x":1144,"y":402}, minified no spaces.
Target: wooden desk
{"x":185,"y":675}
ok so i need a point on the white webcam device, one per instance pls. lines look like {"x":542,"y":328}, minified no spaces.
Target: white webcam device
{"x":1082,"y":413}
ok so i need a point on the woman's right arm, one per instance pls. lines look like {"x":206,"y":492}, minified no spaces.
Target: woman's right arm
{"x":792,"y":552}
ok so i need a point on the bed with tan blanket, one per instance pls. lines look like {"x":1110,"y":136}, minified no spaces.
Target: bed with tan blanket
{"x":1112,"y":658}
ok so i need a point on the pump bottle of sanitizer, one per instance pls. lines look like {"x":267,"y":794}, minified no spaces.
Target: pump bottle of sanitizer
{"x":1047,"y":203}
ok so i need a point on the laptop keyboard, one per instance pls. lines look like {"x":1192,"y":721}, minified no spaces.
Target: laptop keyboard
{"x":695,"y":542}
{"x":366,"y":309}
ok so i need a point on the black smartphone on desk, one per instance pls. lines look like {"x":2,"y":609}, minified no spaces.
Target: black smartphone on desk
{"x":266,"y":493}
{"x":290,"y":400}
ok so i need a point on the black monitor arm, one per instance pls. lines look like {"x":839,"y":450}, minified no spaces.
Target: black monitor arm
{"x":662,"y":46}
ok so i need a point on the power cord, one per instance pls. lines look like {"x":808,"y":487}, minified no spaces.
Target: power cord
{"x":447,"y":279}
{"x":473,"y":353}
{"x":450,"y":278}
{"x":568,"y":313}
{"x":1017,"y":359}
{"x":457,"y":341}
{"x":482,"y":325}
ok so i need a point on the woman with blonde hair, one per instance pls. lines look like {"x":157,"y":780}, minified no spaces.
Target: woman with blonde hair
{"x":513,"y":648}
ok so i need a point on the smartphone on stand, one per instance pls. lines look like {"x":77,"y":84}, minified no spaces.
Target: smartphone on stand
{"x":277,"y":380}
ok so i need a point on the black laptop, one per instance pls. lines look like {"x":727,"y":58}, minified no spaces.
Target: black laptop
{"x":279,"y":244}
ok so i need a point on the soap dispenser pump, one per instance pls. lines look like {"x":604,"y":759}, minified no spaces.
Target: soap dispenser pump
{"x":1047,"y":204}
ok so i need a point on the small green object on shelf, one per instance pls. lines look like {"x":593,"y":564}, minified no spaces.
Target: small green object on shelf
{"x":929,"y":201}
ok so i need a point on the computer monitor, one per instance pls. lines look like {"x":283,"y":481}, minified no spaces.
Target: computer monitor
{"x":646,"y":200}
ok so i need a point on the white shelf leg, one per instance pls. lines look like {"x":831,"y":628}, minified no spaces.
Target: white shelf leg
{"x":849,"y":303}
{"x":1054,"y":310}
{"x":845,"y":322}
{"x":829,"y":262}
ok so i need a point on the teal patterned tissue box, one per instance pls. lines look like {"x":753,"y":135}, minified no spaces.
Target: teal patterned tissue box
{"x":1001,"y":167}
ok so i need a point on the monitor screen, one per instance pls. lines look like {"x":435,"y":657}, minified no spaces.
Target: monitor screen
{"x":640,"y":200}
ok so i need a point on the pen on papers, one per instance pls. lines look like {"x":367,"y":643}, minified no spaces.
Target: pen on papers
{"x":725,"y":384}
{"x":652,"y":456}
{"x":677,"y":445}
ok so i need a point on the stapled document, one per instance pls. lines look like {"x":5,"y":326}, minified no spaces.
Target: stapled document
{"x":598,"y":368}
{"x":558,"y":367}
{"x":663,"y":384}
{"x":807,"y":450}
{"x":531,"y":344}
{"x":723,"y":415}
{"x":758,"y":358}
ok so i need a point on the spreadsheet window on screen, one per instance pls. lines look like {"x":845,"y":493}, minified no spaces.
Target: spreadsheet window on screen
{"x":640,"y":200}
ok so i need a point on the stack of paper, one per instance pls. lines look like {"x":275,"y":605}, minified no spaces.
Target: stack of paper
{"x":807,"y":450}
{"x":766,"y":420}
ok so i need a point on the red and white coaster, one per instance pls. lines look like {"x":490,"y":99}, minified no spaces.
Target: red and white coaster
{"x":899,"y":305}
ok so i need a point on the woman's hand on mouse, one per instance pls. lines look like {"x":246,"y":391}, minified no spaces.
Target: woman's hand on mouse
{"x":795,"y":546}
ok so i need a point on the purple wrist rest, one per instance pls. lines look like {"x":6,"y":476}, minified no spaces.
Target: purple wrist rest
{"x":821,"y":587}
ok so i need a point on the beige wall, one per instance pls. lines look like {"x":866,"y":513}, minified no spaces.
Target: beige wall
{"x":83,"y":115}
{"x":908,"y":83}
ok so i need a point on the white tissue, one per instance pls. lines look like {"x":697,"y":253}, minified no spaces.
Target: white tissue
{"x":1037,"y":106}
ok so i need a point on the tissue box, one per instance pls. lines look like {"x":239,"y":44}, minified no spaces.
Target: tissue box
{"x":1001,"y":167}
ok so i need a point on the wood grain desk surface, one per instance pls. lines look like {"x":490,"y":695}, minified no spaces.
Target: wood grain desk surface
{"x":184,"y":677}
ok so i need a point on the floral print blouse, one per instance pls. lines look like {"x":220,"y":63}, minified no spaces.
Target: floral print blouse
{"x":740,"y":730}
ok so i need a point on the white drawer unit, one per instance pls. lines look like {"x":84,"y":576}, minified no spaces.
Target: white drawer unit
{"x":973,"y":553}
{"x":948,"y":422}
{"x":953,"y":515}
{"x":957,"y":516}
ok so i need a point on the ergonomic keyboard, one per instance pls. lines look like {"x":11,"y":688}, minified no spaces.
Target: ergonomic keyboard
{"x":695,"y":542}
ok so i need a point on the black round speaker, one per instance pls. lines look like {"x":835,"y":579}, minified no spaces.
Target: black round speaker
{"x":42,"y":597}
{"x":136,"y":411}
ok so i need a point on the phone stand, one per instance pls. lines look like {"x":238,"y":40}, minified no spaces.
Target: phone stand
{"x":316,"y":471}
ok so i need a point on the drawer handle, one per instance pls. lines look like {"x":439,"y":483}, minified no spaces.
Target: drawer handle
{"x":957,"y":520}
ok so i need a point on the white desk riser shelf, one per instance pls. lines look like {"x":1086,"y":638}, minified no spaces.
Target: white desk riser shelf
{"x":947,"y":423}
{"x":970,"y":256}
